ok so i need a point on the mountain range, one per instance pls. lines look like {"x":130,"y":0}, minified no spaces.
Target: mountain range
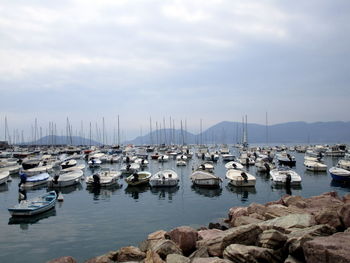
{"x":232,"y":132}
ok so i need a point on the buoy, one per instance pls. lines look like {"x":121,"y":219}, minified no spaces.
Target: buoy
{"x":60,"y":198}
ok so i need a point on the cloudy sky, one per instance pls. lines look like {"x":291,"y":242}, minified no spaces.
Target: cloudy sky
{"x":214,"y":60}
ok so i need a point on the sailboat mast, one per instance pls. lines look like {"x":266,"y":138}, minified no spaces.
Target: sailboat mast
{"x":150,"y":131}
{"x":118,"y":132}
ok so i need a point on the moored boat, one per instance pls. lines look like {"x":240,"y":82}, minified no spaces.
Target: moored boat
{"x":340,"y":174}
{"x":138,"y":178}
{"x":106,"y":177}
{"x":164,"y":178}
{"x":65,"y":179}
{"x":283,"y":176}
{"x":240,"y":178}
{"x":36,"y":180}
{"x":205,"y":179}
{"x":34,"y":206}
{"x":4,"y":177}
{"x":315,"y":166}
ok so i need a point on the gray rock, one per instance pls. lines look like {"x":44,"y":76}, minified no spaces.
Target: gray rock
{"x":334,"y":248}
{"x":272,"y":239}
{"x":152,"y":257}
{"x":245,"y":220}
{"x":130,"y":253}
{"x":210,"y":260}
{"x":289,"y":221}
{"x":344,"y":214}
{"x":241,"y":254}
{"x":202,"y":252}
{"x":175,"y":258}
{"x":274,"y":211}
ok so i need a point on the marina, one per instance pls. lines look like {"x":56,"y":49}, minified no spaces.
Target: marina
{"x":94,"y":219}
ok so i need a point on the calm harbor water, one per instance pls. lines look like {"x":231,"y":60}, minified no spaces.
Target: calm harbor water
{"x":90,"y":223}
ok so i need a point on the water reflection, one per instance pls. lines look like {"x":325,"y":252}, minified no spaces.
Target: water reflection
{"x":288,"y":189}
{"x":135,"y":191}
{"x":316,"y":173}
{"x":208,"y":192}
{"x":241,"y":192}
{"x":68,"y":189}
{"x":342,"y":184}
{"x":162,"y":192}
{"x":104,"y":192}
{"x":4,"y":187}
{"x":24,"y":222}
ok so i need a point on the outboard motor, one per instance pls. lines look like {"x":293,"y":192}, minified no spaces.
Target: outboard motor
{"x":288,"y":180}
{"x":55,"y":179}
{"x":96,"y":178}
{"x":212,"y":157}
{"x":289,"y":157}
{"x":234,"y":166}
{"x":127,"y":159}
{"x":267,"y":167}
{"x":245,"y":177}
{"x":203,"y":155}
{"x":247,"y":161}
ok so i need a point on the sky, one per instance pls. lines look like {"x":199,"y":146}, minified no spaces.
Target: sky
{"x":215,"y":60}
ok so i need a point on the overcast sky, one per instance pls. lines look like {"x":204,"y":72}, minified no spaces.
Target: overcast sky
{"x":215,"y":60}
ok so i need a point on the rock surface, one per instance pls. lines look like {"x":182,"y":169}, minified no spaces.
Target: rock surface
{"x":185,"y":237}
{"x":175,"y":258}
{"x":63,"y":260}
{"x":164,"y":248}
{"x":130,"y":253}
{"x":334,"y":248}
{"x":242,"y":254}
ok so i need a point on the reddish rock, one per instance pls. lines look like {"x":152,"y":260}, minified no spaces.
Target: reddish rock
{"x":272,"y":239}
{"x":235,"y":212}
{"x":130,"y":253}
{"x":325,"y":201}
{"x":346,"y":198}
{"x":210,"y":260}
{"x":185,"y":237}
{"x":344,"y":214}
{"x":245,"y":220}
{"x":209,"y":234}
{"x":164,"y":248}
{"x":256,"y":208}
{"x":100,"y":259}
{"x":329,"y":217}
{"x":333,"y":248}
{"x":63,"y":260}
{"x":274,"y":211}
{"x":294,"y":200}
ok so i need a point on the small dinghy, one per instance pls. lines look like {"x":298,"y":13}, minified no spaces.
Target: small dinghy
{"x":138,"y":178}
{"x":36,"y":180}
{"x":164,"y":178}
{"x":68,"y":163}
{"x":94,"y":163}
{"x":205,"y":179}
{"x":240,"y":178}
{"x":73,"y":168}
{"x":106,"y":177}
{"x":283,"y":176}
{"x":34,"y":206}
{"x":66,"y":179}
{"x":234,"y":165}
{"x":315,"y":166}
{"x":130,"y":168}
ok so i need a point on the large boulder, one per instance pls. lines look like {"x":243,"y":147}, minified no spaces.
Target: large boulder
{"x":210,"y":260}
{"x":201,"y":252}
{"x":235,"y":212}
{"x":274,"y":211}
{"x":325,"y":201}
{"x":160,"y":234}
{"x":153,"y":257}
{"x":130,"y":253}
{"x":298,"y":237}
{"x":257,"y":209}
{"x":334,"y":248}
{"x":272,"y":239}
{"x":291,"y":259}
{"x":106,"y":258}
{"x":63,"y":260}
{"x":344,"y":214}
{"x":209,"y":234}
{"x":247,"y":235}
{"x":330,"y":217}
{"x":241,"y":254}
{"x":294,"y":200}
{"x":164,"y":248}
{"x":346,"y":198}
{"x":245,"y":220}
{"x":176,"y":258}
{"x":185,"y":237}
{"x":288,"y":222}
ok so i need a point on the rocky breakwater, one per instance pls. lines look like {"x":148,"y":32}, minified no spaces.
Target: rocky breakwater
{"x":292,"y":229}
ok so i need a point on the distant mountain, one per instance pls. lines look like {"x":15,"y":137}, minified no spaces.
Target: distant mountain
{"x":231,"y":132}
{"x":63,"y":140}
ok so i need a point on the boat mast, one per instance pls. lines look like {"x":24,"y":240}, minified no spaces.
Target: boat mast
{"x":118,"y":132}
{"x":267,"y":132}
{"x":150,"y":131}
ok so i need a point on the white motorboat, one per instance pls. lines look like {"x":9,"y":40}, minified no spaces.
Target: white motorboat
{"x":163,"y":158}
{"x":240,"y":178}
{"x":36,"y":180}
{"x":205,"y":179}
{"x":73,"y":168}
{"x":11,"y":169}
{"x":65,"y":179}
{"x":228,"y":157}
{"x":138,"y":178}
{"x":206,"y":166}
{"x":234,"y":165}
{"x":94,"y":163}
{"x":284,"y":176}
{"x":344,"y":164}
{"x":263,"y":166}
{"x":181,"y":157}
{"x":286,"y":159}
{"x":38,"y":170}
{"x":130,"y":168}
{"x":106,"y":177}
{"x":315,"y":166}
{"x":68,"y":163}
{"x":164,"y":178}
{"x":142,"y":162}
{"x":340,"y":174}
{"x":4,"y":177}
